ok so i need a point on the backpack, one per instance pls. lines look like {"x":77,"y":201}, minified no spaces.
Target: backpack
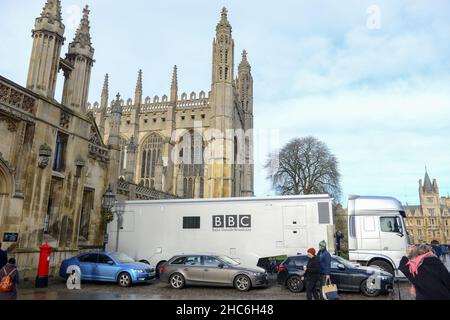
{"x":6,"y":284}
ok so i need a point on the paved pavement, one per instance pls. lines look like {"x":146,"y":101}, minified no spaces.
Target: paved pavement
{"x":156,"y":290}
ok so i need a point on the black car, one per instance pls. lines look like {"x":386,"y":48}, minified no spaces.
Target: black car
{"x":347,"y":276}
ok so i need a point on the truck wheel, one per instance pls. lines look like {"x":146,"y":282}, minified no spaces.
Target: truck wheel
{"x":124,"y":279}
{"x":369,"y":292}
{"x":177,"y":281}
{"x":242,"y":283}
{"x":295,"y":284}
{"x":383,"y":265}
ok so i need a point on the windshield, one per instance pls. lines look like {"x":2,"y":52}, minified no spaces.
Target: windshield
{"x":229,"y":260}
{"x":122,"y":258}
{"x":346,"y":263}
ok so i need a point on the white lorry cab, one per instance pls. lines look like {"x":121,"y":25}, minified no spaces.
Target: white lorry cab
{"x":377,"y":233}
{"x":249,"y":230}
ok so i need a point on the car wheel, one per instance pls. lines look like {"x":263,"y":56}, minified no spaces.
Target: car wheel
{"x":367,"y":291}
{"x":124,"y":279}
{"x":242,"y":283}
{"x":383,"y":265}
{"x":177,"y":281}
{"x":295,"y":284}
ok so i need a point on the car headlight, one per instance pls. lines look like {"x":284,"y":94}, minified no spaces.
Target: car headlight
{"x":138,"y":270}
{"x":258,"y":274}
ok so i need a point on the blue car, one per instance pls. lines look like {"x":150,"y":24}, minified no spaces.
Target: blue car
{"x":109,"y":267}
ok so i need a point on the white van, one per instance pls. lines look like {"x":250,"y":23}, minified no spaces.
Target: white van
{"x":377,"y":233}
{"x":246,"y":229}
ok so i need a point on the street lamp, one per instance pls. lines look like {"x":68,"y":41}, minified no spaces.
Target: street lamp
{"x":108,"y":199}
{"x":108,"y":203}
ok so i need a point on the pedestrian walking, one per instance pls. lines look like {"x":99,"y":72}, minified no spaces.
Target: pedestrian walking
{"x":325,"y":263}
{"x":338,"y":236}
{"x":444,"y":252}
{"x":3,"y":257}
{"x":9,"y":278}
{"x":429,"y":277}
{"x":312,"y":275}
{"x":437,"y":250}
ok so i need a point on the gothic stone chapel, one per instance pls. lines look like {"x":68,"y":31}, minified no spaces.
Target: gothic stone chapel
{"x":57,"y":158}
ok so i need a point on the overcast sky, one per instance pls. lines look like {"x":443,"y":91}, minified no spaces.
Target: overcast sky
{"x":372,"y":82}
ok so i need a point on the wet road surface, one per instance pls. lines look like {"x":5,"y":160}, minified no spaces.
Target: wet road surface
{"x":156,"y":290}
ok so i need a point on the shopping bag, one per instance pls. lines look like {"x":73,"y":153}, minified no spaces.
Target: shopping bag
{"x":330,"y":291}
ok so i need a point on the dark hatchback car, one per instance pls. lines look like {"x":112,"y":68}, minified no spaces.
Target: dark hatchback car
{"x":346,"y":275}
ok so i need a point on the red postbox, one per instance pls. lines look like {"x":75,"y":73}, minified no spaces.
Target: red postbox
{"x":44,"y":265}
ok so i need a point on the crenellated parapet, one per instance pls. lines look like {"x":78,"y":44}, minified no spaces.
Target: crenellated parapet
{"x":157,"y":104}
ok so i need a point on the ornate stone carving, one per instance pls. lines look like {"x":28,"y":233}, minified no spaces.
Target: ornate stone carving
{"x":96,"y":148}
{"x":45,"y":153}
{"x":12,"y":125}
{"x":65,"y":118}
{"x":12,"y":97}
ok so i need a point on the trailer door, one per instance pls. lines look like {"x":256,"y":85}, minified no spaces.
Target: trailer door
{"x":294,"y":226}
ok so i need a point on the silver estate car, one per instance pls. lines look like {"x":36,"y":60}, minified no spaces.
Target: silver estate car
{"x":211,"y":270}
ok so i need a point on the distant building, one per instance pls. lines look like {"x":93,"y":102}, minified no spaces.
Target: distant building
{"x":430,"y":220}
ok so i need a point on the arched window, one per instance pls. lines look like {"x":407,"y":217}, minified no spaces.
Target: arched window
{"x":193,"y":160}
{"x":150,"y":151}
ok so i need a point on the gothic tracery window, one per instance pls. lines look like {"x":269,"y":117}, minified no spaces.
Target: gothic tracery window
{"x":193,"y":164}
{"x":150,"y":152}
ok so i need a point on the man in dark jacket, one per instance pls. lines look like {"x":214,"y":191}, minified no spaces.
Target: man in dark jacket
{"x":427,"y":273}
{"x":312,"y":275}
{"x":325,"y":263}
{"x":3,"y":257}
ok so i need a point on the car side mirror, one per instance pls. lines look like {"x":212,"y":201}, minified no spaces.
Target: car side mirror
{"x":221,"y":265}
{"x":110,"y":262}
{"x":341,"y":266}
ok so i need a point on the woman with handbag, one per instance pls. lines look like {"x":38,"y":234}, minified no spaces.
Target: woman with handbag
{"x":312,"y":275}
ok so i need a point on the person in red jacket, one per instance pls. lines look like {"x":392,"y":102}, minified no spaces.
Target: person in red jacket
{"x":312,"y":275}
{"x":429,"y":277}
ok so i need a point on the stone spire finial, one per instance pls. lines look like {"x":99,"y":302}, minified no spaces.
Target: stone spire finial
{"x":224,"y":19}
{"x":244,"y":61}
{"x":52,"y":10}
{"x":105,"y":90}
{"x":117,"y":105}
{"x":82,"y":35}
{"x":138,"y":90}
{"x":139,"y":81}
{"x":174,"y":84}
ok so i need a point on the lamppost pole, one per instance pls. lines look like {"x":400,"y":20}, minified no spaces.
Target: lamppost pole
{"x":108,"y":200}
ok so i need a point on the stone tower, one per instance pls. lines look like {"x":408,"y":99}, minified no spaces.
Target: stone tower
{"x":429,"y":195}
{"x":220,"y":174}
{"x":114,"y":140}
{"x":244,"y":83}
{"x":103,"y":106}
{"x":81,"y":58}
{"x":48,"y":38}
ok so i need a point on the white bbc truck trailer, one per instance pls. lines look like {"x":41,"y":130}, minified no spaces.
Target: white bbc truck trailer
{"x":377,"y":234}
{"x":246,"y":229}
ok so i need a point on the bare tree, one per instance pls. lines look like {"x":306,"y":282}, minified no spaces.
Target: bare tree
{"x":304,"y":166}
